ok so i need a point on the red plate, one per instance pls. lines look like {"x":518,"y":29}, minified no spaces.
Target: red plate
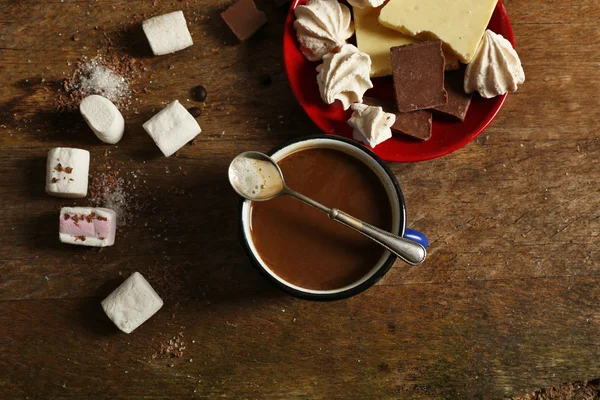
{"x":332,"y":119}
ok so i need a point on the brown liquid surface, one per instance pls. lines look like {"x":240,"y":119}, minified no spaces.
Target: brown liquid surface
{"x":301,"y":244}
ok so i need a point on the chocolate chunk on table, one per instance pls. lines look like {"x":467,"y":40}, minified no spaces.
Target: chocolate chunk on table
{"x":244,"y":19}
{"x":416,"y":124}
{"x":418,"y":72}
{"x":458,"y":101}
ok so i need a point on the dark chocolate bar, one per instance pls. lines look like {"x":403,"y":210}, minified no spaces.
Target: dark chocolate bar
{"x":418,"y":72}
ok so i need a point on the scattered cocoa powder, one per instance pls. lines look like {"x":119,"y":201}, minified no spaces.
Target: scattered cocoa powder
{"x":167,"y":278}
{"x":172,"y":348}
{"x":586,"y":390}
{"x":115,"y":190}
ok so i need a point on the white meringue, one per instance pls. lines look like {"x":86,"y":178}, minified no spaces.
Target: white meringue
{"x":344,"y":76}
{"x":322,"y":26}
{"x":366,"y":3}
{"x":495,"y":69}
{"x":371,"y":124}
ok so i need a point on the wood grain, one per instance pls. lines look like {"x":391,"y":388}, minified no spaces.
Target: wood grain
{"x":506,"y":303}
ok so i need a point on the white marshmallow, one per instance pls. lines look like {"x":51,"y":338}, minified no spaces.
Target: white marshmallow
{"x":172,"y":128}
{"x":167,"y":33}
{"x":103,"y":117}
{"x":132,"y":303}
{"x":67,"y":172}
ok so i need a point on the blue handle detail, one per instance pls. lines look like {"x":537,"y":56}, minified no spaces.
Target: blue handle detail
{"x":417,"y":237}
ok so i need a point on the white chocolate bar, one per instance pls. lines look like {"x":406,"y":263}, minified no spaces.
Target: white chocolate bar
{"x":376,"y":40}
{"x":460,"y":24}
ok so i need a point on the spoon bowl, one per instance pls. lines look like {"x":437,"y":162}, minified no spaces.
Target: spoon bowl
{"x":256,"y":177}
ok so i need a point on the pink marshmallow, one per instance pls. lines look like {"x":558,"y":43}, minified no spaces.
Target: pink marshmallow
{"x":87,"y":226}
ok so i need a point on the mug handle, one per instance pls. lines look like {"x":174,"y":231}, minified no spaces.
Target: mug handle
{"x":416,"y":236}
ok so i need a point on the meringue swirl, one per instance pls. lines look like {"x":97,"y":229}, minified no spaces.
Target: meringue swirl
{"x":366,"y":3}
{"x":495,"y":69}
{"x":371,"y":124}
{"x":344,"y":76}
{"x":322,"y":26}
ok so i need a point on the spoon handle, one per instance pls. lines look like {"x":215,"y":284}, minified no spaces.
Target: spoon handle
{"x":411,"y":252}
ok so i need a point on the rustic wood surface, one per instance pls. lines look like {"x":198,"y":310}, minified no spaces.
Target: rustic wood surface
{"x":508,"y":301}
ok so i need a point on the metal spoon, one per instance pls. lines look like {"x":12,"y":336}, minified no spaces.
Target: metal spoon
{"x":255,"y":176}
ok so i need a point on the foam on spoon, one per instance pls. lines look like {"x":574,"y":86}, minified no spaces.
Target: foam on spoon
{"x":254,"y":178}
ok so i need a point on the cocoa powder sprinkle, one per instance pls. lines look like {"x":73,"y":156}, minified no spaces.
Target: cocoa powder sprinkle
{"x":75,"y":219}
{"x":90,"y":217}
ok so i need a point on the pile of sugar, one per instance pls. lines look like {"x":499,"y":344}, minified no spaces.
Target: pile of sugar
{"x":95,"y":78}
{"x":107,"y":189}
{"x":106,"y":75}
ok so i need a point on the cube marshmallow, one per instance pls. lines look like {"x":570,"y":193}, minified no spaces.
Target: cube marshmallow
{"x":167,"y":33}
{"x":67,"y":172}
{"x":132,"y":303}
{"x":103,"y":117}
{"x":172,"y":127}
{"x":87,"y":226}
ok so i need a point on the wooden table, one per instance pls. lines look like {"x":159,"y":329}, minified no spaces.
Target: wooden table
{"x":508,"y":301}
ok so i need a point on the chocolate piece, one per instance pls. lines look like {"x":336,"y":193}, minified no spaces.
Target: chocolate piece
{"x":458,"y":101}
{"x":418,"y":71}
{"x":416,"y":124}
{"x":200,"y":93}
{"x":244,"y":19}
